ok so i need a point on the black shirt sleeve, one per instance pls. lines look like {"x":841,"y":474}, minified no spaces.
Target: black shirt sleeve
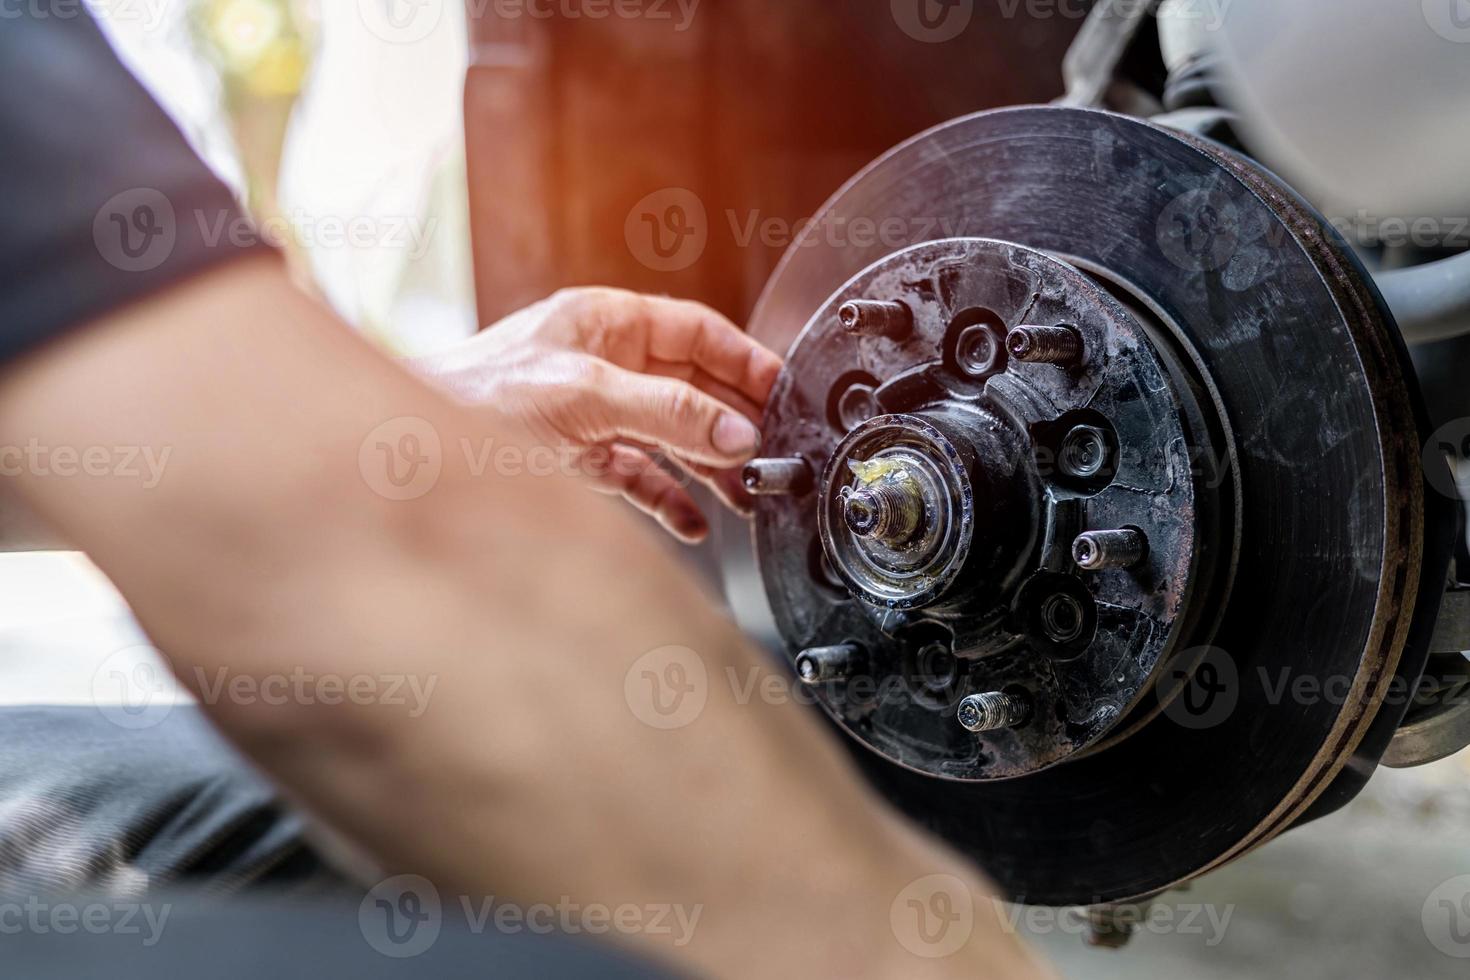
{"x":102,"y":200}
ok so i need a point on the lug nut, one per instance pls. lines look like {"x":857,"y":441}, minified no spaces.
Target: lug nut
{"x":992,"y":712}
{"x":821,"y":664}
{"x":870,"y":318}
{"x":777,"y":477}
{"x":1098,"y":550}
{"x":1084,"y":452}
{"x":1045,"y":345}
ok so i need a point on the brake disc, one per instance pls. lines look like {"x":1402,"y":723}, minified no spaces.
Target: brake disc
{"x":1071,"y":482}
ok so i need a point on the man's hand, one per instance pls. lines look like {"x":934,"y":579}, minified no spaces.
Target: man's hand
{"x":621,"y":378}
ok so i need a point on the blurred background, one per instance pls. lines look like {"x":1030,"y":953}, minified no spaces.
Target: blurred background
{"x":369,"y":137}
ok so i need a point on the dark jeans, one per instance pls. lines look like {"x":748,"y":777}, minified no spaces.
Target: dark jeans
{"x":86,"y":805}
{"x":159,"y":852}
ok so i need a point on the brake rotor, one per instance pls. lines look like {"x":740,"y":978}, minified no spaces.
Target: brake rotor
{"x":1218,"y":321}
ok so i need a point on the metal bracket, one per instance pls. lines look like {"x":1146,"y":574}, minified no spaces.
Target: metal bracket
{"x":1440,"y":728}
{"x":1452,"y":631}
{"x":1092,"y":61}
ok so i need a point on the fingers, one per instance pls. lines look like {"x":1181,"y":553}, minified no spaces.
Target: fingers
{"x":726,"y":485}
{"x":708,"y":384}
{"x":637,"y":330}
{"x":620,"y":405}
{"x":635,"y":476}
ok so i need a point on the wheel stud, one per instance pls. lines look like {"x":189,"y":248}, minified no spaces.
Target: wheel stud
{"x":1099,"y":550}
{"x":1045,"y":345}
{"x":870,"y":318}
{"x":993,"y":711}
{"x":821,"y":664}
{"x":777,"y":477}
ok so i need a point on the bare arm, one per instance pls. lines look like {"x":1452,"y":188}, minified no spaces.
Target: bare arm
{"x":268,"y":546}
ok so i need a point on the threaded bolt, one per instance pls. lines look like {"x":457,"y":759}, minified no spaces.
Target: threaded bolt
{"x":1099,"y":550}
{"x":1060,"y":345}
{"x":993,"y":712}
{"x":871,"y":318}
{"x":890,"y":511}
{"x":777,"y":477}
{"x":821,"y":664}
